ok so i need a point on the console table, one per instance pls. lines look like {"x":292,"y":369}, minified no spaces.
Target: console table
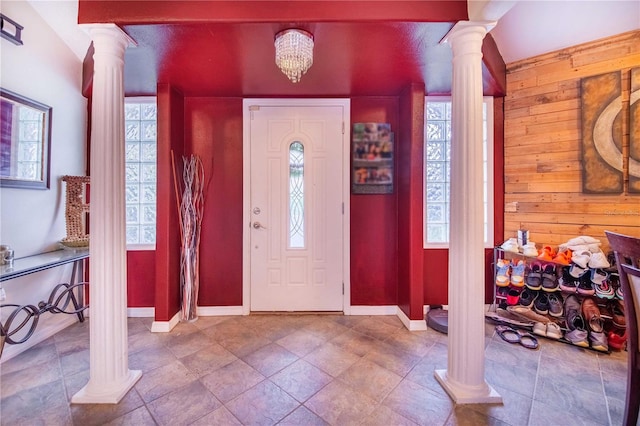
{"x":67,"y":298}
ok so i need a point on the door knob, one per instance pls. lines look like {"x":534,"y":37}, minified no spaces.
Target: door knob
{"x":258,"y":225}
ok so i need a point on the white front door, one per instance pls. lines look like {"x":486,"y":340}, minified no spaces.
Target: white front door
{"x":296,"y":206}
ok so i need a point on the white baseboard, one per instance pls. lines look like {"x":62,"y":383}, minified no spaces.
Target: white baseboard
{"x":373,"y":310}
{"x":149,"y":312}
{"x":165,"y":326}
{"x":411,"y":325}
{"x":216,"y":311}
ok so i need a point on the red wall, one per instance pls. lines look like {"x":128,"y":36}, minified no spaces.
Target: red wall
{"x":170,"y":139}
{"x":213,"y":131}
{"x":141,"y":279}
{"x":374,"y":219}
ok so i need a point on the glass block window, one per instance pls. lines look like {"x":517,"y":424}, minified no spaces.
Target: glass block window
{"x":437,"y":158}
{"x":30,"y":130}
{"x":296,"y":195}
{"x":140,"y":169}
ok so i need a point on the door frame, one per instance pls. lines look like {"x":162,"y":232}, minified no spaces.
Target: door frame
{"x":345,"y":104}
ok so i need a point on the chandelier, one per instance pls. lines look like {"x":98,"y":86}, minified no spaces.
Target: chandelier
{"x":294,"y":52}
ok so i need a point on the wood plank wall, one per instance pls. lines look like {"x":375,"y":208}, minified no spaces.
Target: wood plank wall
{"x":543,"y":170}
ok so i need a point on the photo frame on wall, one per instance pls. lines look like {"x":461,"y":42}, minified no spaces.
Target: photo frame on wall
{"x":372,"y":147}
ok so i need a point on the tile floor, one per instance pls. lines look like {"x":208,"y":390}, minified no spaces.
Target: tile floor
{"x":309,"y":370}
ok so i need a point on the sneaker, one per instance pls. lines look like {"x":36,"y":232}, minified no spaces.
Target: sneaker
{"x":534,"y":276}
{"x":598,"y":341}
{"x":584,"y":286}
{"x":576,"y":331}
{"x":530,"y":249}
{"x":546,"y":253}
{"x":527,"y":297}
{"x":503,"y":271}
{"x":501,"y":292}
{"x":511,"y":245}
{"x":540,"y":329}
{"x":513,"y":297}
{"x":604,"y":290}
{"x":556,"y":305}
{"x":616,"y":308}
{"x":554,"y":331}
{"x":541,"y":304}
{"x":598,"y":260}
{"x":563,"y":258}
{"x":581,"y":258}
{"x":566,"y":282}
{"x":549,"y":278}
{"x":517,"y":274}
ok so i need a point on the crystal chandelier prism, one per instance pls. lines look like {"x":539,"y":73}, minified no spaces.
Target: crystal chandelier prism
{"x":294,"y":52}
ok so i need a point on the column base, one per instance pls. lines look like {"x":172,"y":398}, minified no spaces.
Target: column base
{"x":466,"y":395}
{"x":88,"y":394}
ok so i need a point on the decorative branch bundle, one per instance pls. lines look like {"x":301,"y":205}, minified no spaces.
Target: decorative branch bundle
{"x":191,"y":210}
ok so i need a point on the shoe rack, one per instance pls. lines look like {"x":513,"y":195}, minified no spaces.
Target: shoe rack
{"x":508,"y":308}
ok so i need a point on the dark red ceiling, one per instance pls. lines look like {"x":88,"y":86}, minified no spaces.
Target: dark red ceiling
{"x":223,"y":48}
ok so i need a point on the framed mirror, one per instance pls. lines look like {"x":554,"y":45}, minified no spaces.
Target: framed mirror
{"x":25,"y":142}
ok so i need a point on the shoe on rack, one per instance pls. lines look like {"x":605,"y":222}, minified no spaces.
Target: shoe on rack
{"x":501,"y":292}
{"x":533,"y":277}
{"x":517,"y":274}
{"x":576,"y":331}
{"x":527,"y":297}
{"x":576,"y":271}
{"x":540,"y":328}
{"x":581,"y":258}
{"x":556,"y":304}
{"x":503,"y":271}
{"x":530,"y":249}
{"x":563,"y":257}
{"x":614,"y":280}
{"x":527,"y":314}
{"x":604,"y":290}
{"x":617,"y":313}
{"x":598,"y":260}
{"x":541,"y":304}
{"x":554,"y":331}
{"x":598,"y":341}
{"x":546,"y":253}
{"x":513,"y":297}
{"x":617,"y":338}
{"x":566,"y":282}
{"x":549,"y":278}
{"x":584,"y":285}
{"x":511,"y":245}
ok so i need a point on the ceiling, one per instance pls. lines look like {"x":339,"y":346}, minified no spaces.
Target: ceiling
{"x":215,"y":52}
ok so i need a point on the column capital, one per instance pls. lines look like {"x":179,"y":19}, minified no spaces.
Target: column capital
{"x":468,"y":28}
{"x":102,"y":31}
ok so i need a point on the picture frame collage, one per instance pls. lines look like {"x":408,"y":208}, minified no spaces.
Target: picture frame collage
{"x":372,"y":158}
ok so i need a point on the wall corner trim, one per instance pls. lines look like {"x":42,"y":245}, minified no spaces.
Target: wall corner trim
{"x":165,"y":326}
{"x":411,"y":325}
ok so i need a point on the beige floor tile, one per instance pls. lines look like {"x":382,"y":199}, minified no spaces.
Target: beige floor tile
{"x":74,"y":362}
{"x":98,"y":414}
{"x":303,"y":416}
{"x":377,"y":328}
{"x":138,"y":417}
{"x":356,"y":343}
{"x":339,"y":404}
{"x":384,"y":416}
{"x":162,"y":380}
{"x":184,"y":405}
{"x":218,"y":417}
{"x":208,"y":359}
{"x":37,"y":375}
{"x":544,"y":415}
{"x":38,"y":354}
{"x":301,"y":380}
{"x":270,"y":359}
{"x":231,"y":380}
{"x":393,"y":358}
{"x":417,"y":343}
{"x":150,"y":359}
{"x":419,"y":404}
{"x":300,"y":342}
{"x":331,"y":359}
{"x":189,"y":343}
{"x":30,"y":405}
{"x":464,"y":415}
{"x":370,"y":379}
{"x":263,"y":404}
{"x":325,"y":327}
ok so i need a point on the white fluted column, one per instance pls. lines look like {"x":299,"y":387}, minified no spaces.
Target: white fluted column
{"x":110,"y":378}
{"x":464,"y":378}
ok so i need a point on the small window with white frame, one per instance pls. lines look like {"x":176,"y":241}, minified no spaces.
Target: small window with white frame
{"x":141,"y":130}
{"x":437,"y":162}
